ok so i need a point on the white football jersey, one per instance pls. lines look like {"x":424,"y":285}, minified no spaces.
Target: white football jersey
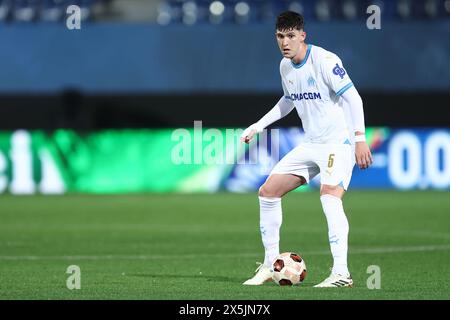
{"x":315,"y":87}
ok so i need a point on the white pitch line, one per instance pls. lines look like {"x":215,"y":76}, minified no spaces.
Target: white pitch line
{"x":373,"y":250}
{"x":443,"y":247}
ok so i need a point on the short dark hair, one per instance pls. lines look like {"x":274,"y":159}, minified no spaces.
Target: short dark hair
{"x":289,"y":20}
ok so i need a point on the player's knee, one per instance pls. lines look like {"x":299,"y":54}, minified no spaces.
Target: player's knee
{"x":263,"y":191}
{"x":266,"y":191}
{"x":337,"y":191}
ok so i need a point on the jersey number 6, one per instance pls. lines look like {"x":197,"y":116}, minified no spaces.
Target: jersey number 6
{"x":330,"y":160}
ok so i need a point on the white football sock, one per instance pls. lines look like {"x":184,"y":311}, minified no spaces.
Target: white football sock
{"x":270,"y":218}
{"x":337,"y":232}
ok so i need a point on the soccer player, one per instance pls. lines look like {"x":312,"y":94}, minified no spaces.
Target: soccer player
{"x":316,"y":84}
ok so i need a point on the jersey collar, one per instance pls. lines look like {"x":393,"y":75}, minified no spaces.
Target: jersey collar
{"x":298,"y":66}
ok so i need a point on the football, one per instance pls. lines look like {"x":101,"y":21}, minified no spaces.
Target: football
{"x":289,"y":269}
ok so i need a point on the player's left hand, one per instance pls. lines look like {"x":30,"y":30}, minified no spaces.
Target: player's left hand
{"x":363,"y":155}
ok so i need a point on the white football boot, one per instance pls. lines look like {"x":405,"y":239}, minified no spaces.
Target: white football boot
{"x":263,"y":274}
{"x":336,"y":281}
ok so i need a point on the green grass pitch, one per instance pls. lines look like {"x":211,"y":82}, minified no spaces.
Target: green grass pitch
{"x":204,"y":246}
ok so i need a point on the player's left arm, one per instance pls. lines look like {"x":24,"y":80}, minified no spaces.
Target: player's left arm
{"x":339,"y":81}
{"x":354,"y":102}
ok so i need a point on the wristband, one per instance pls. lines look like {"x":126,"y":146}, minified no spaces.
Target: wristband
{"x":360,"y":138}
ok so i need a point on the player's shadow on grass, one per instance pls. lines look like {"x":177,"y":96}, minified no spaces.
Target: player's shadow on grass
{"x":190,"y":276}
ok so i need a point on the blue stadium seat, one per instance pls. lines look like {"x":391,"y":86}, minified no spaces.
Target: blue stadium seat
{"x":243,"y":11}
{"x":52,"y":10}
{"x":388,"y":8}
{"x":429,"y":9}
{"x":216,"y":12}
{"x":25,"y":10}
{"x":183,"y":11}
{"x":5,"y":10}
{"x":351,"y":10}
{"x":304,"y":7}
{"x":85,"y":6}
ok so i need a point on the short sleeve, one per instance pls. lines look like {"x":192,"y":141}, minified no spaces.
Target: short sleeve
{"x":335,"y":76}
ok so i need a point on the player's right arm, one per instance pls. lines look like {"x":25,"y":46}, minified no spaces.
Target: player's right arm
{"x":283,"y":107}
{"x":280,"y":110}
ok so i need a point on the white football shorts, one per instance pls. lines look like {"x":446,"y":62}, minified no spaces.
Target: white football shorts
{"x":334,"y":162}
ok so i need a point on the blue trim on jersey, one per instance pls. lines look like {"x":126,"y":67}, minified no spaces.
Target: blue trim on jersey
{"x":298,"y":66}
{"x":347,"y":142}
{"x":348,"y":86}
{"x":341,"y":184}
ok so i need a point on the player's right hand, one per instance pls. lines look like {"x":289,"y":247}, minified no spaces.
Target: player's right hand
{"x":249,"y":133}
{"x":247,"y":138}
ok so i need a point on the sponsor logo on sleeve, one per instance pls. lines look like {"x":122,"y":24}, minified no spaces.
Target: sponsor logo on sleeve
{"x":339,"y":71}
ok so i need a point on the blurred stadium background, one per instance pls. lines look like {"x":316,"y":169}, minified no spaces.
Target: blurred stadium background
{"x":160,"y":65}
{"x":93,"y":111}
